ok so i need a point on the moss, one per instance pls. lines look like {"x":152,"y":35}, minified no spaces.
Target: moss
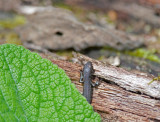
{"x":62,"y":5}
{"x":66,"y":53}
{"x":109,"y":48}
{"x":140,"y":52}
{"x":11,"y":38}
{"x":12,"y":23}
{"x":144,"y":53}
{"x":76,"y":9}
{"x":101,"y":58}
{"x":79,"y":12}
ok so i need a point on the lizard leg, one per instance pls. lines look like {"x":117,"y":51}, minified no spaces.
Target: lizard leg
{"x":81,"y":80}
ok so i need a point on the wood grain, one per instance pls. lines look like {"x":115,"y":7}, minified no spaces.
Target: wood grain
{"x":113,"y":101}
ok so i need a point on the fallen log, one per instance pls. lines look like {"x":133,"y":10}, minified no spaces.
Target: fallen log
{"x":131,"y":81}
{"x":123,"y":100}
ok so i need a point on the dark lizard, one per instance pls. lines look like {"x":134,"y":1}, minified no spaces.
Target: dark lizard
{"x":86,"y":78}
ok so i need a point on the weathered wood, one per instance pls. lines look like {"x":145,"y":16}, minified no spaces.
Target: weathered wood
{"x":54,"y":29}
{"x":131,"y":81}
{"x":110,"y":100}
{"x":116,"y":102}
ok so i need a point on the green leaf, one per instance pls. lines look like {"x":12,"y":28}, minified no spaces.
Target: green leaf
{"x":34,"y":89}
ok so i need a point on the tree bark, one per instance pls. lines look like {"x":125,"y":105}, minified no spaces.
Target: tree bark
{"x":118,"y":97}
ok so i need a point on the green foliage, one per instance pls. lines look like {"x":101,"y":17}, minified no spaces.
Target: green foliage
{"x":34,"y":89}
{"x":12,"y":23}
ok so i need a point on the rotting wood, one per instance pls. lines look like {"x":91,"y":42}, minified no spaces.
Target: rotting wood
{"x":111,"y":101}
